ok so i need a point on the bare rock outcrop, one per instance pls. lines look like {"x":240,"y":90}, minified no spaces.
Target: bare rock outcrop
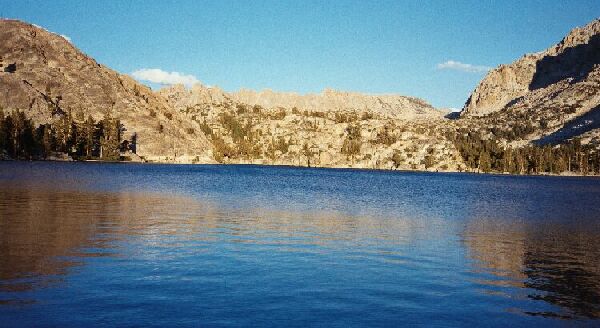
{"x":569,"y":63}
{"x":328,"y":101}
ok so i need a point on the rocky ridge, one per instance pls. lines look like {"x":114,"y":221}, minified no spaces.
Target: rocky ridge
{"x":291,"y":129}
{"x":46,"y":76}
{"x":536,"y":76}
{"x":545,"y":98}
{"x":329,"y":100}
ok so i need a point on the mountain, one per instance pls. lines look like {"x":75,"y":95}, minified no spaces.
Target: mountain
{"x":329,"y":100}
{"x":44,"y":75}
{"x":269,"y":127}
{"x":539,"y":114}
{"x":572,"y":63}
{"x":556,"y":91}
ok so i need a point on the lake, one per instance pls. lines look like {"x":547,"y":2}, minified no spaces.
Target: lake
{"x":96,"y":244}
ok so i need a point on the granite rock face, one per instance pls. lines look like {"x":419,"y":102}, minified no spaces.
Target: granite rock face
{"x":571,"y":63}
{"x":46,"y":76}
{"x":328,"y":101}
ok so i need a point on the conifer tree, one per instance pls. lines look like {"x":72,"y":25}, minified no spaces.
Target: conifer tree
{"x":89,"y":131}
{"x":47,"y":139}
{"x":111,"y":138}
{"x":485,"y":161}
{"x":353,"y":141}
{"x":64,"y":133}
{"x":3,"y":131}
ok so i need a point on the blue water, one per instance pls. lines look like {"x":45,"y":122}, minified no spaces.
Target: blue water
{"x":88,"y":244}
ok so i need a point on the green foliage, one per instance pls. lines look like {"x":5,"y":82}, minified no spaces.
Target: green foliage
{"x":241,"y":109}
{"x":397,"y":159}
{"x":17,"y":135}
{"x":89,"y":136}
{"x":247,"y":149}
{"x":243,"y":137}
{"x":486,"y":155}
{"x":111,"y":138}
{"x":485,"y":161}
{"x":206,"y":129}
{"x":385,"y":137}
{"x":353,"y":140}
{"x":345,"y":118}
{"x":281,"y":145}
{"x":237,"y":129}
{"x":221,"y":149}
{"x":20,"y":139}
{"x":315,"y":114}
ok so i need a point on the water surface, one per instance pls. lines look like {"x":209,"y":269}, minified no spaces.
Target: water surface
{"x":85,"y":244}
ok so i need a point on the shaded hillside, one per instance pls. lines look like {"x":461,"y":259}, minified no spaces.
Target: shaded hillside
{"x":572,"y":61}
{"x":543,"y":96}
{"x":47,"y":77}
{"x":587,"y":123}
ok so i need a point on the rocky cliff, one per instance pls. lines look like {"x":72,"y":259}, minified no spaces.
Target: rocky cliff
{"x":46,"y":76}
{"x":562,"y":72}
{"x":549,"y":97}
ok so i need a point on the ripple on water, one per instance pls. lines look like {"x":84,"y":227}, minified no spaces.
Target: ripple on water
{"x":281,"y":246}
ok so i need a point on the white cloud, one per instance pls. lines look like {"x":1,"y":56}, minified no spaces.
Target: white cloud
{"x":66,"y":37}
{"x":458,"y":66}
{"x":156,"y":75}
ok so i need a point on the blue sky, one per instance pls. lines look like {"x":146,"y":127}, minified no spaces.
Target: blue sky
{"x":306,"y":46}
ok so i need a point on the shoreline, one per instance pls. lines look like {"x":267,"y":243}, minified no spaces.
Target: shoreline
{"x":97,"y":161}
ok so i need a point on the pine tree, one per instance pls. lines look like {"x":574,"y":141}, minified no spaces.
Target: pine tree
{"x":89,"y":131}
{"x":307,"y":153}
{"x":47,"y":140}
{"x":17,"y":127}
{"x":485,"y":161}
{"x":353,"y":141}
{"x":3,"y":131}
{"x":8,"y":130}
{"x":111,"y":138}
{"x":64,"y":133}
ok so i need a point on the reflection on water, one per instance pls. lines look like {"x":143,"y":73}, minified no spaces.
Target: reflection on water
{"x":42,"y":230}
{"x":558,"y":264}
{"x":229,"y":249}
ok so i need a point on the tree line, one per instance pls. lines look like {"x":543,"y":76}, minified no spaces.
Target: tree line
{"x":81,"y":139}
{"x":487,"y":155}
